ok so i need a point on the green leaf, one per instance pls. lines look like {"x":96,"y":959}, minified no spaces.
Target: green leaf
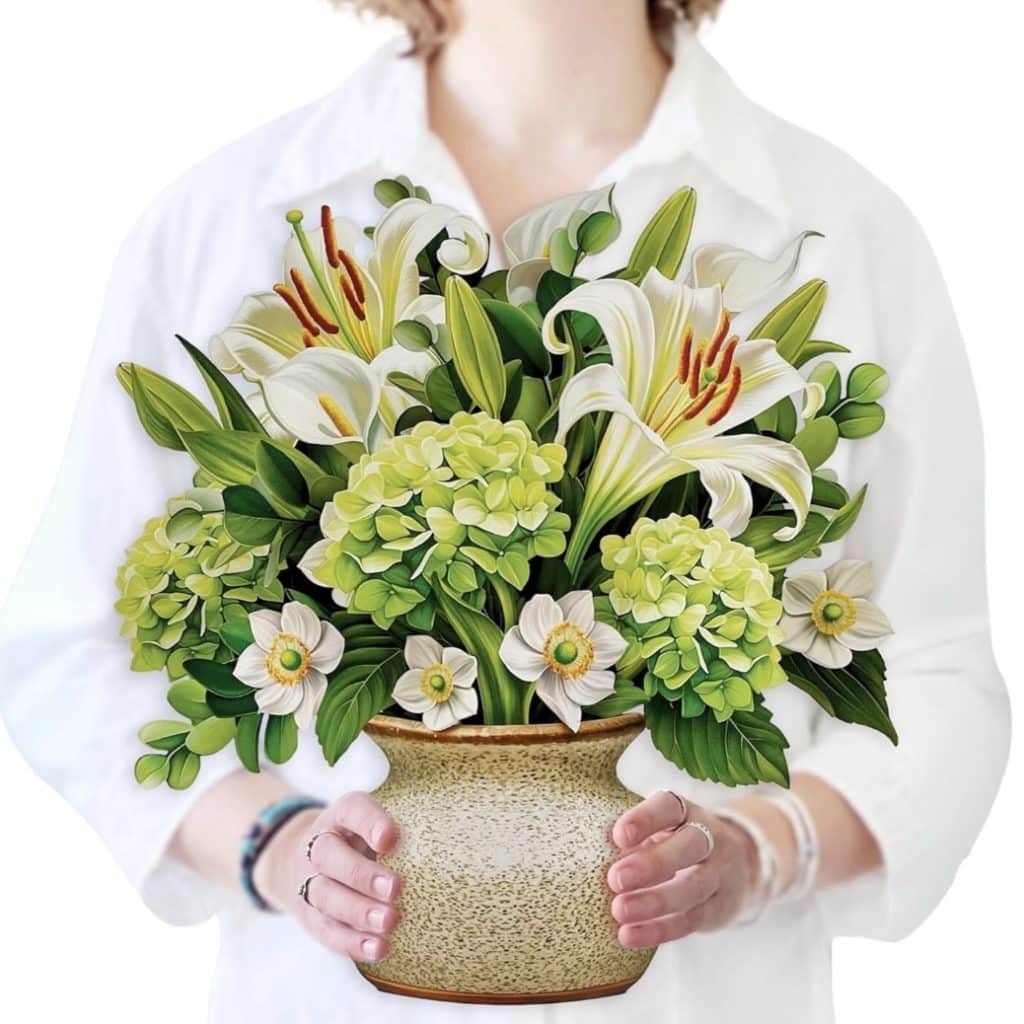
{"x":232,"y":408}
{"x":281,"y":476}
{"x":247,"y":741}
{"x":791,"y":322}
{"x":828,"y":493}
{"x":248,"y":517}
{"x":151,"y":770}
{"x":232,"y":707}
{"x":412,"y":386}
{"x":867,"y":382}
{"x":827,"y":375}
{"x":217,"y":678}
{"x":413,"y":336}
{"x":533,"y":403}
{"x":188,"y":698}
{"x":388,"y":191}
{"x":183,"y":769}
{"x":500,"y":695}
{"x":513,"y":388}
{"x":626,"y":697}
{"x":842,"y":522}
{"x":165,"y":409}
{"x":777,"y":554}
{"x":443,"y":392}
{"x":518,"y":336}
{"x":237,"y":634}
{"x":662,"y":243}
{"x":229,"y":456}
{"x":354,"y":695}
{"x":858,"y":419}
{"x":780,"y":420}
{"x":745,"y":749}
{"x":855,"y":694}
{"x":165,"y":734}
{"x":282,"y":738}
{"x":598,"y":231}
{"x":475,"y":349}
{"x":817,"y":441}
{"x":812,"y":349}
{"x":562,"y":253}
{"x":211,"y":735}
{"x":182,"y":526}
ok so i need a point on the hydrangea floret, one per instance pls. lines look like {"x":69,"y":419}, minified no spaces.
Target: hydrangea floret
{"x":183,"y":579}
{"x":698,"y":610}
{"x":457,"y":502}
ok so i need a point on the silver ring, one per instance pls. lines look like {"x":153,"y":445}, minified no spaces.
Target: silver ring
{"x":314,"y":838}
{"x":304,"y":889}
{"x":707,"y":834}
{"x":683,"y":810}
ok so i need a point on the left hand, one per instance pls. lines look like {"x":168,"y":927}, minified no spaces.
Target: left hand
{"x":666,"y":884}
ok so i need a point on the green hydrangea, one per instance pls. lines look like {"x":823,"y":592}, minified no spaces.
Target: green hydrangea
{"x":698,"y":610}
{"x":458,"y":502}
{"x":183,"y":580}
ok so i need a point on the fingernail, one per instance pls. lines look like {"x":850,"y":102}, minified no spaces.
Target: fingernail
{"x":376,"y":919}
{"x":381,"y":886}
{"x":631,"y":833}
{"x":376,"y":836}
{"x":371,"y":949}
{"x":624,"y":879}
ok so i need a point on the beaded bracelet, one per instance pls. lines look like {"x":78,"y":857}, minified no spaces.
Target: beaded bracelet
{"x":767,"y":864}
{"x":808,"y":847}
{"x":267,"y":824}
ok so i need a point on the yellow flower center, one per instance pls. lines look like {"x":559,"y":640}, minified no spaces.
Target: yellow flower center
{"x":833,"y":612}
{"x":287,"y":660}
{"x":336,"y":416}
{"x":437,"y":683}
{"x":568,"y":651}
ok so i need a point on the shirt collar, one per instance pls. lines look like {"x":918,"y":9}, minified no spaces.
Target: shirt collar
{"x":701,"y":113}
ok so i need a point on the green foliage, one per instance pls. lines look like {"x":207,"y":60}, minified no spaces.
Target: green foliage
{"x":817,"y":440}
{"x":282,"y":738}
{"x":662,"y":243}
{"x":165,"y":409}
{"x":792,"y":322}
{"x":232,"y":408}
{"x":859,"y":419}
{"x":475,"y":349}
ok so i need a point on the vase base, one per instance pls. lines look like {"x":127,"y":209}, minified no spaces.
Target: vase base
{"x":503,"y":998}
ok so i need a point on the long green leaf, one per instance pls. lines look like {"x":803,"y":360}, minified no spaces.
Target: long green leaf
{"x":745,"y":749}
{"x":354,"y":696}
{"x":518,"y":336}
{"x":229,"y":456}
{"x":248,"y":517}
{"x":247,"y":741}
{"x":777,"y":554}
{"x":842,"y":522}
{"x":217,"y":678}
{"x":165,"y":409}
{"x":662,"y":243}
{"x":475,"y":349}
{"x":280,"y":476}
{"x":855,"y":694}
{"x":500,"y":694}
{"x":232,"y":408}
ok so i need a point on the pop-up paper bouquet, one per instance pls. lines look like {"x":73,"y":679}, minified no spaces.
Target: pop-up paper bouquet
{"x":491,"y":518}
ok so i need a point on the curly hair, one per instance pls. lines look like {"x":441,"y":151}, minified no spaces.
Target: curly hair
{"x":426,"y":24}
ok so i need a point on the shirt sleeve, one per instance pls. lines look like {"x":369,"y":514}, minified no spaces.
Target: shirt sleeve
{"x":922,"y":527}
{"x":70,"y":702}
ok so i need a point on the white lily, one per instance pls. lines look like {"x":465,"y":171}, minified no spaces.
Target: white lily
{"x":827,"y":614}
{"x":745,"y":279}
{"x":528,"y":240}
{"x":677,"y":382}
{"x":439,"y":683}
{"x":288,"y":663}
{"x":560,"y":646}
{"x":329,"y":299}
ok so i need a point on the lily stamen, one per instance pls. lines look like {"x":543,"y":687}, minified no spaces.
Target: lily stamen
{"x":308,"y":341}
{"x":730,"y":397}
{"x":724,"y":323}
{"x":352,"y":299}
{"x":330,"y":241}
{"x":695,"y":373}
{"x":310,"y":303}
{"x":696,"y":408}
{"x":727,"y":357}
{"x":684,"y":355}
{"x":352,"y":269}
{"x":296,"y":307}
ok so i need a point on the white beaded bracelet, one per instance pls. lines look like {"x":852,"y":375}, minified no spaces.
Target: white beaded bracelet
{"x":808,"y":847}
{"x":767,"y":864}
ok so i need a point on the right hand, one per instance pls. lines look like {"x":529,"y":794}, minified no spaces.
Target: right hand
{"x":351,"y":900}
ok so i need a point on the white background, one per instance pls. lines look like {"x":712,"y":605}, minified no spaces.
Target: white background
{"x":106,"y":101}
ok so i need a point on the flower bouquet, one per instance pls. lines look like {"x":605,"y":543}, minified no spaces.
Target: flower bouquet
{"x":490,"y":518}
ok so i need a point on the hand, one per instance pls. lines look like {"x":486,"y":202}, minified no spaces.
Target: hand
{"x":351,"y":898}
{"x":666,"y":884}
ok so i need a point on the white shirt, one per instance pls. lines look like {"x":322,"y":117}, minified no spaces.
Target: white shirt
{"x":218,"y":235}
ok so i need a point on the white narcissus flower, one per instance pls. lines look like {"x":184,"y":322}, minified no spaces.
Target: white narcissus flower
{"x":289,"y":661}
{"x":439,"y":683}
{"x":561,"y":647}
{"x":827,"y":616}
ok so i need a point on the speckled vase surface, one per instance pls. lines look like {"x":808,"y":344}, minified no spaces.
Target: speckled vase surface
{"x":505,"y":845}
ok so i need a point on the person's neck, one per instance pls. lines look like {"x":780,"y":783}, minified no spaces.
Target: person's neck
{"x":533,"y":69}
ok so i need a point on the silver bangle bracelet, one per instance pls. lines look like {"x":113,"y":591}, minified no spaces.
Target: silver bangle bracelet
{"x":767,"y":864}
{"x":808,"y":847}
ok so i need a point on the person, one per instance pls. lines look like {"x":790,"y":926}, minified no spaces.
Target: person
{"x":498,"y":109}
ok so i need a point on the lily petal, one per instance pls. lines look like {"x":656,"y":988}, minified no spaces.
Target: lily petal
{"x":731,"y":501}
{"x":523,"y":278}
{"x":529,"y":236}
{"x":597,"y":388}
{"x":746,"y":279}
{"x":262,"y":335}
{"x":324,"y":396}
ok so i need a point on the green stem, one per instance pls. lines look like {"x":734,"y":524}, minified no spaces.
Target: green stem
{"x":527,"y":701}
{"x":507,"y":599}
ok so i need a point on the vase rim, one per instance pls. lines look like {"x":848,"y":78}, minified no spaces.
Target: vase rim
{"x":592,"y":729}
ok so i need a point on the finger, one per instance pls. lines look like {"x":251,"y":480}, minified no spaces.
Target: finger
{"x":686,"y":890}
{"x":349,"y":907}
{"x":658,"y":862}
{"x":659,"y":811}
{"x":361,"y":814}
{"x":664,"y":929}
{"x":330,"y":855}
{"x":343,"y":939}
